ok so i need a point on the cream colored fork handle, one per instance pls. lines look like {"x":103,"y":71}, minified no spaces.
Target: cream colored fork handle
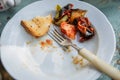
{"x":100,"y":64}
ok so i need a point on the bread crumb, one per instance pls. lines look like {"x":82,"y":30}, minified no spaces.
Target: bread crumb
{"x":54,"y":46}
{"x":49,"y":42}
{"x":28,"y":42}
{"x":60,"y":54}
{"x":46,"y":43}
{"x":43,"y":44}
{"x":77,"y":60}
{"x":62,"y":58}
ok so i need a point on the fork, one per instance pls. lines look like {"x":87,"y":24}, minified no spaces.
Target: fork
{"x":96,"y":62}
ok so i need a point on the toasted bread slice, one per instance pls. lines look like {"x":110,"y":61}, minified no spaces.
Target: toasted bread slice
{"x":38,"y":26}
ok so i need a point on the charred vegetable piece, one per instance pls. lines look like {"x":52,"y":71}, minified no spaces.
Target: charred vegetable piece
{"x":64,"y":18}
{"x":68,"y":29}
{"x":62,"y":14}
{"x":75,"y":13}
{"x":72,"y":21}
{"x":69,"y":6}
{"x":85,"y":28}
{"x":66,"y":10}
{"x":58,"y":9}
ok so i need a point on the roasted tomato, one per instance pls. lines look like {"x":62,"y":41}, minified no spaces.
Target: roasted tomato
{"x":68,"y":29}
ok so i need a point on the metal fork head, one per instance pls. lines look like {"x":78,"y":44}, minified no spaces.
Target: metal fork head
{"x":55,"y":35}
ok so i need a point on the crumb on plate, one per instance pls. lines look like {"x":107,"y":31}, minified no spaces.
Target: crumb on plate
{"x":46,"y":43}
{"x":77,"y":60}
{"x":28,"y":42}
{"x":49,"y":42}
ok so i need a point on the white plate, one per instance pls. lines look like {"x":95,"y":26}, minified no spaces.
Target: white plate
{"x":29,"y":62}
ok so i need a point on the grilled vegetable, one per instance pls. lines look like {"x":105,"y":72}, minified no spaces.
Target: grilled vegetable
{"x":62,"y":14}
{"x":64,"y":18}
{"x":58,"y":9}
{"x":85,"y":28}
{"x":72,"y":21}
{"x":77,"y":13}
{"x":66,"y":10}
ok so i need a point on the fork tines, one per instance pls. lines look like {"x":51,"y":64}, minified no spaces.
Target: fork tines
{"x":55,"y":35}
